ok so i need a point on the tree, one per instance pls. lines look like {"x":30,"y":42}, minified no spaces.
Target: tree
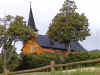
{"x":14,"y":60}
{"x":12,"y":29}
{"x":68,"y":25}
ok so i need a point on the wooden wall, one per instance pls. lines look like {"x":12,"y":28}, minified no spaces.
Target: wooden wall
{"x":32,"y":46}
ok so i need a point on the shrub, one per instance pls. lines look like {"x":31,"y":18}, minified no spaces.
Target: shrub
{"x":33,"y":61}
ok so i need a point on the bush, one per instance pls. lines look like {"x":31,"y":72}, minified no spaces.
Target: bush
{"x":33,"y":61}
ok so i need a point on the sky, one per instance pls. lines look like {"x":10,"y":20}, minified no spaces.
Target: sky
{"x":45,"y":10}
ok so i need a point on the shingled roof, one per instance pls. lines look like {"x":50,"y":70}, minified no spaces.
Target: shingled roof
{"x":45,"y":42}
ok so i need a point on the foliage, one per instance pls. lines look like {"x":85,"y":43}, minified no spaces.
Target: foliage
{"x":20,"y":30}
{"x":30,"y":61}
{"x":77,"y":56}
{"x":33,"y":61}
{"x":14,"y":62}
{"x":12,"y":30}
{"x":94,"y":54}
{"x":81,"y":56}
{"x":68,"y":25}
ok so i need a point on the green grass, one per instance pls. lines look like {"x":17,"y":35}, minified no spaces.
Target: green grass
{"x":63,"y":73}
{"x":79,"y":71}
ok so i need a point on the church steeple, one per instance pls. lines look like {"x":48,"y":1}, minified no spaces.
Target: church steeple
{"x":31,"y":22}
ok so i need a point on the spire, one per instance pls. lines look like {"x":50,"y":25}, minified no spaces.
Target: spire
{"x":31,"y":22}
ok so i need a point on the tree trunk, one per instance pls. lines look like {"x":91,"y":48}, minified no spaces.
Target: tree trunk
{"x":68,"y":47}
{"x":5,"y":60}
{"x":5,"y":71}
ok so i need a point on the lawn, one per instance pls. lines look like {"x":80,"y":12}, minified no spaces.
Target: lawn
{"x":79,"y":71}
{"x":63,"y":73}
{"x":82,"y":71}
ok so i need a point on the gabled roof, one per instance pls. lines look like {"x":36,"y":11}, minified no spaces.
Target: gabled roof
{"x":45,"y":42}
{"x":31,"y":22}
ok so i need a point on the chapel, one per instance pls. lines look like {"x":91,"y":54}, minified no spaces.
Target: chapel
{"x":42,"y":44}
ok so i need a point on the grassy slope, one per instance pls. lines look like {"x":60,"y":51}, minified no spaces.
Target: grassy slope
{"x":82,"y":71}
{"x":63,"y":73}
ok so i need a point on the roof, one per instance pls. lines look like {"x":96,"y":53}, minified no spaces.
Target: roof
{"x":45,"y":42}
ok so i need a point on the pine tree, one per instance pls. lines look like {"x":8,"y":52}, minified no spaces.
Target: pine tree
{"x":68,"y":25}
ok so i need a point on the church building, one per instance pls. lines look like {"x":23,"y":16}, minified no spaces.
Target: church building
{"x":42,"y":44}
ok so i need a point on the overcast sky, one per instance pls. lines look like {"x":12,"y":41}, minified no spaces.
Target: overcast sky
{"x":45,"y":10}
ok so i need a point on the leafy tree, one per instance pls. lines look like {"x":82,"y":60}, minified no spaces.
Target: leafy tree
{"x":68,"y":25}
{"x":12,"y":29}
{"x":14,"y":61}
